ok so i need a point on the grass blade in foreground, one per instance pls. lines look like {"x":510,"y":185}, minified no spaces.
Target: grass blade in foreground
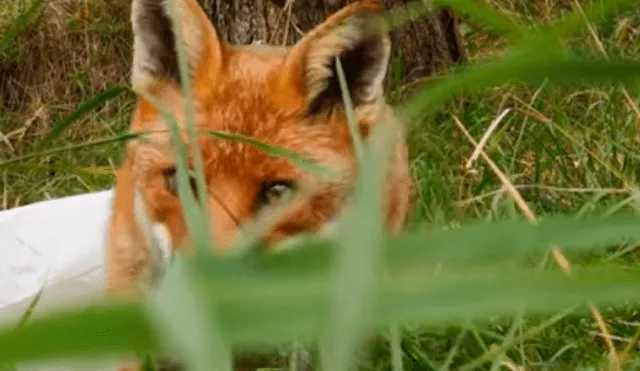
{"x":289,"y":291}
{"x":491,"y":19}
{"x":185,"y":319}
{"x":529,"y":65}
{"x":202,"y":236}
{"x":196,"y":217}
{"x":359,"y":245}
{"x":474,"y":245}
{"x":93,"y":331}
{"x":289,"y":308}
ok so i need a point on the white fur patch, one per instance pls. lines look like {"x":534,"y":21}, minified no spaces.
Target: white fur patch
{"x":331,"y":228}
{"x":158,"y":239}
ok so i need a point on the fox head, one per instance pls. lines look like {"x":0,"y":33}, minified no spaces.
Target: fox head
{"x":286,"y":97}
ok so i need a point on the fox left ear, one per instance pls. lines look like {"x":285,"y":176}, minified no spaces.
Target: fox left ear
{"x":155,"y":61}
{"x":363,"y":48}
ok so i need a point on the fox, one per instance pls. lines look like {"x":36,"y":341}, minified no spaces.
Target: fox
{"x":285,"y":96}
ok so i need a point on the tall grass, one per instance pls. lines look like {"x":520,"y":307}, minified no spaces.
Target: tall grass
{"x":331,"y":292}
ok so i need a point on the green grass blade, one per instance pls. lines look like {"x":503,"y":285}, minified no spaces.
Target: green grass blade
{"x":480,"y":242}
{"x":512,"y":342}
{"x":148,"y":364}
{"x":491,"y":19}
{"x":23,"y":21}
{"x":299,"y":310}
{"x":185,"y":319}
{"x":61,"y":168}
{"x":474,"y":243}
{"x":84,"y":108}
{"x":420,"y":295}
{"x":348,"y":108}
{"x":399,"y":16}
{"x":86,"y":332}
{"x":396,"y":348}
{"x":575,"y":21}
{"x":246,"y":288}
{"x":531,"y":66}
{"x":32,"y":306}
{"x":358,"y":252}
{"x":72,"y":147}
{"x":305,"y":163}
{"x":203,"y":233}
{"x":195,"y":217}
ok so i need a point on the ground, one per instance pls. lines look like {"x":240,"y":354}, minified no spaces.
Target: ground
{"x":566,"y":149}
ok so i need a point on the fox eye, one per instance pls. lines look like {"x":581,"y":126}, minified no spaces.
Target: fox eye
{"x":275,"y":192}
{"x":170,"y":178}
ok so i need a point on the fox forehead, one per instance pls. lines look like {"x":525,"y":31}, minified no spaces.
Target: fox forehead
{"x":241,"y":103}
{"x":254,"y":61}
{"x":244,"y":84}
{"x":228,"y":159}
{"x":241,"y":97}
{"x":248,"y":113}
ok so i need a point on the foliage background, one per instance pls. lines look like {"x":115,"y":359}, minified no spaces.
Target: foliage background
{"x":566,"y":149}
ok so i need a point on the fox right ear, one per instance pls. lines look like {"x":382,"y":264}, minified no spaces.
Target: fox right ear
{"x":362,"y":43}
{"x":155,"y":58}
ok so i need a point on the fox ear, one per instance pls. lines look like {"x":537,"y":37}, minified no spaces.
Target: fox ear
{"x":155,"y":59}
{"x":363,"y":48}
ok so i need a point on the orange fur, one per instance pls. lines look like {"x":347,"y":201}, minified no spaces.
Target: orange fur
{"x":281,"y":96}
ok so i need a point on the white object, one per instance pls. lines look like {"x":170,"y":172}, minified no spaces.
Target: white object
{"x":57,"y":246}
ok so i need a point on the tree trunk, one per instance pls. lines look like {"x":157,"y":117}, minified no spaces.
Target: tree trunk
{"x":428,"y":45}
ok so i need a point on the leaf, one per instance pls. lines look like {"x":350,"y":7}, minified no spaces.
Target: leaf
{"x":84,"y":108}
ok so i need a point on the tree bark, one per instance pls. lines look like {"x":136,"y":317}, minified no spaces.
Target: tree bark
{"x":428,"y":45}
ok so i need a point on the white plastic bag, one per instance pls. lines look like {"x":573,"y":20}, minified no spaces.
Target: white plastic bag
{"x":57,"y":246}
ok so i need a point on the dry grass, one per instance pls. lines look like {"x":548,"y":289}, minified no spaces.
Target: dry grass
{"x":74,"y":50}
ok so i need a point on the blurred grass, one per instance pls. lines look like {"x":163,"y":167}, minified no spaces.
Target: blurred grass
{"x":567,"y":149}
